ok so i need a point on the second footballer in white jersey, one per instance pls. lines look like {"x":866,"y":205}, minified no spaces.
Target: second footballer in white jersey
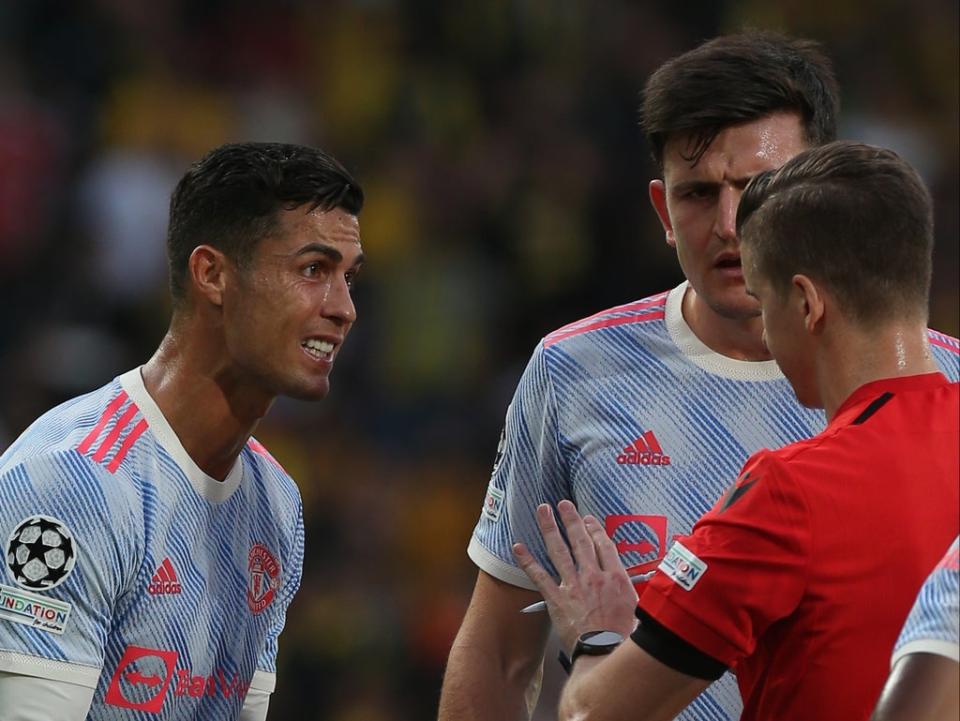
{"x":642,"y":413}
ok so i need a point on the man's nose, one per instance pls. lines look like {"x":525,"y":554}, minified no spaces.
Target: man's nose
{"x":726,"y":221}
{"x":338,"y":305}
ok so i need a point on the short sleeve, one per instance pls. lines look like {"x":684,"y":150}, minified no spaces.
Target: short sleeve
{"x":933,"y":625}
{"x":267,"y":662}
{"x":742,"y":569}
{"x":528,"y":471}
{"x":70,"y":551}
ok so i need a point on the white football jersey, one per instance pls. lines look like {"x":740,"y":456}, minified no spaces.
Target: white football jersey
{"x":631,"y":416}
{"x":127,"y":569}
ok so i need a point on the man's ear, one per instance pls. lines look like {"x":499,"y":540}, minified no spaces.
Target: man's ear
{"x":809,"y":295}
{"x":207,"y":270}
{"x":658,"y":199}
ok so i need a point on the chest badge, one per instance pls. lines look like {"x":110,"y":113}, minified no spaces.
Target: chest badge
{"x":264,"y":578}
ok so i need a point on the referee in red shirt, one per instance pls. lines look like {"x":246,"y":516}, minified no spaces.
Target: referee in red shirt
{"x":802,"y":574}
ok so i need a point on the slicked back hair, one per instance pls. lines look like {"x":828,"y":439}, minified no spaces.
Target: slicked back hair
{"x":739,"y":78}
{"x":854,"y":217}
{"x":230,"y":199}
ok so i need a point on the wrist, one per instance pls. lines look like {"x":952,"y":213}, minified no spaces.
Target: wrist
{"x":591,"y":643}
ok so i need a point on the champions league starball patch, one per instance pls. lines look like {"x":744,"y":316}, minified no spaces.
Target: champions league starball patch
{"x":41,"y":553}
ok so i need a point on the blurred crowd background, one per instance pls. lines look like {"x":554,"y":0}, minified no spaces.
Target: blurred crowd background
{"x":497,"y":143}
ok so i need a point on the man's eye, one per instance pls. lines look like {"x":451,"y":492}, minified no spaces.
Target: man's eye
{"x":312,"y":269}
{"x":351,"y":278}
{"x":697,"y":193}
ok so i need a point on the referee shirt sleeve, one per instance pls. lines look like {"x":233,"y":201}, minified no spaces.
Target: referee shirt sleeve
{"x":743,"y":568}
{"x":671,"y":650}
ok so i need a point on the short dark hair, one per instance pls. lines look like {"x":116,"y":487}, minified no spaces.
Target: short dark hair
{"x":738,"y":78}
{"x":855,"y":217}
{"x":229,"y":198}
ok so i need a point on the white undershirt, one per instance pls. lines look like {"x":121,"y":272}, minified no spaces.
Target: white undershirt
{"x":31,"y":698}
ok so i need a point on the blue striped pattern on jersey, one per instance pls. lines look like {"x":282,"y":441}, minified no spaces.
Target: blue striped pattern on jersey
{"x":131,"y":502}
{"x":936,"y":613}
{"x":593,"y":396}
{"x":946,"y":353}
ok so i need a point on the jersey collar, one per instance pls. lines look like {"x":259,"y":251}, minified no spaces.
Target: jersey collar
{"x":897,"y":384}
{"x":698,"y":353}
{"x":207,"y":486}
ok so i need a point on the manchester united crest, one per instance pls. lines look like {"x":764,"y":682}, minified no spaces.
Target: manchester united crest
{"x":264,"y":578}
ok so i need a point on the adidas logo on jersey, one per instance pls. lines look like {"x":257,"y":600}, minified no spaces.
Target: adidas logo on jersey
{"x":645,"y":451}
{"x":164,"y":580}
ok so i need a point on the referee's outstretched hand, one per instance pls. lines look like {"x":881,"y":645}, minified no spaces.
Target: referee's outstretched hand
{"x":594,"y":593}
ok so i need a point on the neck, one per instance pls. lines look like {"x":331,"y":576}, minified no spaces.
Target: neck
{"x":737,"y":338}
{"x":212,"y":414}
{"x":853,"y":357}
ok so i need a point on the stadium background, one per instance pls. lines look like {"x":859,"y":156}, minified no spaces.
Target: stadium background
{"x":506,"y":185}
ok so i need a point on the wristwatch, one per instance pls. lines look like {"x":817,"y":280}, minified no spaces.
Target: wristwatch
{"x":592,"y":643}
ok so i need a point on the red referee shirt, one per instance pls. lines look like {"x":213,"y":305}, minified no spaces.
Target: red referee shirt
{"x":801,"y":576}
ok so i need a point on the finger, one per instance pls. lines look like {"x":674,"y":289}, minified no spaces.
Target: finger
{"x":580,"y":542}
{"x":606,"y":549}
{"x":557,"y":548}
{"x":535,"y":572}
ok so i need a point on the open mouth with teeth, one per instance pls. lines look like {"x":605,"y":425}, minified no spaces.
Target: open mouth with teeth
{"x":319,"y":349}
{"x":729,"y":263}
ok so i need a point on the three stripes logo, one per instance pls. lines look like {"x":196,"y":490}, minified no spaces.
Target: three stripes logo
{"x":164,"y":581}
{"x":116,"y":431}
{"x":644,"y":451}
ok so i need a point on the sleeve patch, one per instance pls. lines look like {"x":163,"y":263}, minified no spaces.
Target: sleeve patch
{"x":493,"y":503}
{"x":41,"y":552}
{"x":33,"y":610}
{"x":682,"y":566}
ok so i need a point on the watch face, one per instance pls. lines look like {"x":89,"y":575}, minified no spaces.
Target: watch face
{"x":595,"y":643}
{"x":601,"y":638}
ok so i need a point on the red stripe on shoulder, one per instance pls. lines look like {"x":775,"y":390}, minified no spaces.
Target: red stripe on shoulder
{"x":110,"y":440}
{"x":127,"y":444}
{"x":113,"y":435}
{"x":607,"y":323}
{"x":654,"y":301}
{"x":951,"y":560}
{"x":108,"y":413}
{"x":257,"y":447}
{"x":943,"y":341}
{"x":651,"y":302}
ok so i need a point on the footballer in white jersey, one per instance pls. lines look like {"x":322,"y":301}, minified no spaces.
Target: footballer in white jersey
{"x":130,"y":571}
{"x":151,"y":546}
{"x":631,"y":416}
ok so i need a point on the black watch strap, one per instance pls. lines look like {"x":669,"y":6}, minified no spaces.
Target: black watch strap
{"x":591,"y":643}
